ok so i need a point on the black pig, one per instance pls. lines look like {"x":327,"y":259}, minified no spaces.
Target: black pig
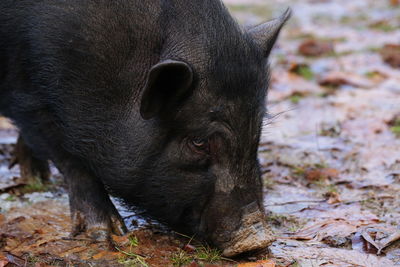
{"x":157,"y":102}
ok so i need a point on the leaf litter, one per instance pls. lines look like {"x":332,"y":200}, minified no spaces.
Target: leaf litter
{"x":330,"y":157}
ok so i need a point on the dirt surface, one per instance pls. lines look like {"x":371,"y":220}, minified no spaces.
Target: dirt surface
{"x":330,"y":155}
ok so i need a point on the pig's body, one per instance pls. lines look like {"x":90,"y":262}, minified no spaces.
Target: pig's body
{"x":160,"y":102}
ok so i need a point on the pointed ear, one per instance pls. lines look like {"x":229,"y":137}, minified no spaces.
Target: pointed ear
{"x":167,"y":82}
{"x":266,"y":33}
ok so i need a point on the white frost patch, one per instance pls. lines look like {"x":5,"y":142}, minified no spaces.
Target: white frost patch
{"x":8,"y":201}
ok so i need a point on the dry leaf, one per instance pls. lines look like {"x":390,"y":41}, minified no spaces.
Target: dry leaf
{"x":3,"y":262}
{"x":358,"y":243}
{"x":315,"y":48}
{"x":321,"y":174}
{"x":16,"y":260}
{"x":106,"y":255}
{"x":389,"y":240}
{"x":336,"y":78}
{"x":391,"y":55}
{"x":263,"y":263}
{"x":339,"y":257}
{"x":378,"y":238}
{"x":120,"y":241}
{"x":394,"y":2}
{"x":189,"y":248}
{"x":331,"y":227}
{"x":333,"y":198}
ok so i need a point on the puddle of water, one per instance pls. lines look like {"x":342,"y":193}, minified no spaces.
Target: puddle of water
{"x":136,"y":219}
{"x":8,"y":137}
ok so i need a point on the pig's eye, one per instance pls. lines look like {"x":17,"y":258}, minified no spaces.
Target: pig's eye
{"x":199,"y":145}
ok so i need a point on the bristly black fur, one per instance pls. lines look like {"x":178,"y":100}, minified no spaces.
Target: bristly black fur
{"x":72,"y":78}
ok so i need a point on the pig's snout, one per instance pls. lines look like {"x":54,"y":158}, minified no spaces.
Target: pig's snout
{"x":253,"y":234}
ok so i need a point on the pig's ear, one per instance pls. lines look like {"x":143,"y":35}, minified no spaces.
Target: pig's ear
{"x":167,"y":83}
{"x":266,"y":33}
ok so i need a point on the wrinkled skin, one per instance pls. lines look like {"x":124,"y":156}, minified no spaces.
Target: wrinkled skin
{"x":157,"y":102}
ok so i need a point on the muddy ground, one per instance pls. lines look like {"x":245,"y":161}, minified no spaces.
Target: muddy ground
{"x":330,"y":155}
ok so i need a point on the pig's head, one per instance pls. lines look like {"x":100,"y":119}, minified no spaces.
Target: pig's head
{"x":204,"y":177}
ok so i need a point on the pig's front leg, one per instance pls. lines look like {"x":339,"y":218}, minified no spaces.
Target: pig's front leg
{"x":91,"y":208}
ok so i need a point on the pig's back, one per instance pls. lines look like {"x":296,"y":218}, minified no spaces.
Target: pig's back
{"x":70,"y":46}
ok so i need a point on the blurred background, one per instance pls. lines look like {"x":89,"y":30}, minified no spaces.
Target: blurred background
{"x":331,"y":146}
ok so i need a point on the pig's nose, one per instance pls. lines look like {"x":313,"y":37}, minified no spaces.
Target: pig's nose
{"x":253,"y":234}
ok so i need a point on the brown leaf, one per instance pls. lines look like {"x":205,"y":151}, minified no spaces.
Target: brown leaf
{"x":263,"y":263}
{"x":3,"y":261}
{"x":340,"y":257}
{"x":335,"y":79}
{"x":72,"y":251}
{"x":321,"y":174}
{"x":106,"y":255}
{"x":315,"y":48}
{"x":325,"y":228}
{"x":367,"y":236}
{"x":394,"y":2}
{"x":394,"y":120}
{"x":120,"y":241}
{"x":189,"y":248}
{"x":389,"y":240}
{"x":333,"y":198}
{"x":16,"y":260}
{"x":391,"y":55}
{"x":374,"y":237}
{"x":359,"y":243}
